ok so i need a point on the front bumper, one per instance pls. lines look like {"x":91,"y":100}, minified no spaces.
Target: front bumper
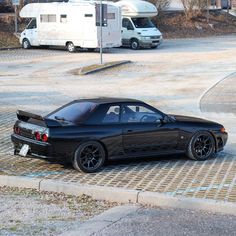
{"x":147,"y":43}
{"x":36,"y":148}
{"x":221,"y":140}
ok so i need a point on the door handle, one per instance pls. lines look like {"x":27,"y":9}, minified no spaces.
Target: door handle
{"x":129,"y":130}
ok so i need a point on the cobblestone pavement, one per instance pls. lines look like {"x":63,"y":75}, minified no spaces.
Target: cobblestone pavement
{"x":187,"y":71}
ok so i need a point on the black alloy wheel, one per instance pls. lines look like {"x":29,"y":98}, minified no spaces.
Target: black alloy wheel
{"x":201,"y":146}
{"x":89,"y":157}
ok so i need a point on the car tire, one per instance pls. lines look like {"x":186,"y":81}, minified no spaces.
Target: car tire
{"x":89,"y":157}
{"x":201,"y":146}
{"x":134,"y":44}
{"x":70,"y":47}
{"x":26,"y":44}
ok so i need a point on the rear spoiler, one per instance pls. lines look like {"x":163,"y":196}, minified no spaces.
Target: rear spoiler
{"x":25,"y":116}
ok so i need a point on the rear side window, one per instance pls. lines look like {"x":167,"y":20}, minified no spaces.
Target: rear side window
{"x":74,"y":112}
{"x":48,"y":18}
{"x":112,"y":115}
{"x":63,"y":18}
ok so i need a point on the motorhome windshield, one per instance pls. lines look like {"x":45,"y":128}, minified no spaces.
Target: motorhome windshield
{"x":143,"y":22}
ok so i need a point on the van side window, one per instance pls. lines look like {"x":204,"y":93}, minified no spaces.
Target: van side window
{"x":48,"y":18}
{"x":32,"y":24}
{"x":63,"y":18}
{"x":88,"y":15}
{"x":126,"y":23}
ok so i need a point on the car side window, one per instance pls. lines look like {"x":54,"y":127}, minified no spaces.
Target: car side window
{"x":139,"y":114}
{"x":112,"y":115}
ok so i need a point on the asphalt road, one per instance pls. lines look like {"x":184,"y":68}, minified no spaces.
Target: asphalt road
{"x":142,"y":221}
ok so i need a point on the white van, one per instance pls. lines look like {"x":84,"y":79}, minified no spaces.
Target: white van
{"x":137,"y":27}
{"x":71,"y":24}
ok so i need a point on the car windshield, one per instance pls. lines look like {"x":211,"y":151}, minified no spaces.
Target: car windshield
{"x":74,"y":112}
{"x":143,"y":22}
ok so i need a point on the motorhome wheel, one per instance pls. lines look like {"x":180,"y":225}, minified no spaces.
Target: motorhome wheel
{"x":134,"y":44}
{"x":71,"y":47}
{"x":26,"y":44}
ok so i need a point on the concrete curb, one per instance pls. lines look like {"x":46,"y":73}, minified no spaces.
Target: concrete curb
{"x":6,"y":49}
{"x":104,"y":67}
{"x":120,"y":195}
{"x":97,"y":192}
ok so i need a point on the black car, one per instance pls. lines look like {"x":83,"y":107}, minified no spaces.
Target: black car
{"x":89,"y":131}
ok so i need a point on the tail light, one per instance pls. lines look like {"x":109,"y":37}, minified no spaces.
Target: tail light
{"x":37,"y":136}
{"x":16,"y":129}
{"x":44,"y":137}
{"x":41,"y":137}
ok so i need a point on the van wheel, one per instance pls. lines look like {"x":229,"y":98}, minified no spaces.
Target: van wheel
{"x":26,"y":44}
{"x":134,"y":44}
{"x":71,"y":47}
{"x":89,"y":157}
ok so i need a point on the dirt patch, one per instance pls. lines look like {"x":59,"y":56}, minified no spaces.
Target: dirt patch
{"x":174,"y":24}
{"x":44,"y":213}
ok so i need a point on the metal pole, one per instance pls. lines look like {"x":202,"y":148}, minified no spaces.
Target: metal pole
{"x":16,"y":28}
{"x":101,"y":61}
{"x":208,"y":12}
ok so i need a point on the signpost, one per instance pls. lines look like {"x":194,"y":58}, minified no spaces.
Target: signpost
{"x":101,"y":59}
{"x":16,"y":3}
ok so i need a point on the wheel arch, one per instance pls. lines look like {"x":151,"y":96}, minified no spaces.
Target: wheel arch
{"x":92,"y":140}
{"x":207,"y":131}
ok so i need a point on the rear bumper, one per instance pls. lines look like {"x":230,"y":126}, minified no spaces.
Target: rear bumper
{"x":36,"y":148}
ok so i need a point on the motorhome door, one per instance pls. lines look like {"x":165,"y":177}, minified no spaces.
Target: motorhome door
{"x":31,"y":32}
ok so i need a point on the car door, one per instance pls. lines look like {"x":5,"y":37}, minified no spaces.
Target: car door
{"x":145,"y":133}
{"x":106,"y":123}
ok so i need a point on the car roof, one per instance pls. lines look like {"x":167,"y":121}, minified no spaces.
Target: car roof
{"x":107,"y":100}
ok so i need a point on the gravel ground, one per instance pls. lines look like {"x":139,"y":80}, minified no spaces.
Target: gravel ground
{"x":29,"y":212}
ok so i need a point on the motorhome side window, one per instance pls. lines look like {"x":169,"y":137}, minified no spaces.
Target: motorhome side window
{"x":48,"y":18}
{"x":104,"y":14}
{"x":32,"y":24}
{"x":63,"y":18}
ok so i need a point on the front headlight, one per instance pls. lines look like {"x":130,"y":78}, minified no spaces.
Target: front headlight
{"x":223,"y":130}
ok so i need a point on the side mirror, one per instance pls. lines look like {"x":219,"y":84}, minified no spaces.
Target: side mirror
{"x":165,"y":119}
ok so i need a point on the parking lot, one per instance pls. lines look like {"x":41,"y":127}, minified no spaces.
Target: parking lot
{"x":176,"y":78}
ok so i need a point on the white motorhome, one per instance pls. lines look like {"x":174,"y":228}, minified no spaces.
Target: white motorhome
{"x":137,"y":27}
{"x":71,"y":24}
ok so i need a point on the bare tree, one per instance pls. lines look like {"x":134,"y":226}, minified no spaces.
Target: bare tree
{"x":193,"y":7}
{"x":161,"y":4}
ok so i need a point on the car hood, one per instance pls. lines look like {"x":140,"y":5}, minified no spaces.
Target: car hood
{"x":190,"y":119}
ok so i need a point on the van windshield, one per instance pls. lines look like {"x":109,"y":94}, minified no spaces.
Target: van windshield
{"x":143,"y":22}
